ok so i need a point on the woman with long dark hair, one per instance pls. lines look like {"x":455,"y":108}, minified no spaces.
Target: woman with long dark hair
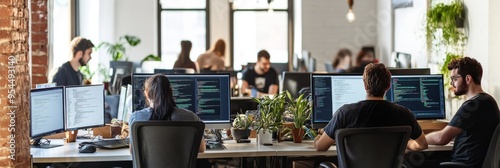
{"x":342,"y":61}
{"x":161,"y":105}
{"x":213,"y":59}
{"x":184,"y":61}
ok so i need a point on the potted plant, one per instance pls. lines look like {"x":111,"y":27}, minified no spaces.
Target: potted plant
{"x":87,"y":74}
{"x":241,"y":127}
{"x":446,"y":18}
{"x":300,"y":110}
{"x":118,"y":52}
{"x":270,"y":117}
{"x":150,"y":62}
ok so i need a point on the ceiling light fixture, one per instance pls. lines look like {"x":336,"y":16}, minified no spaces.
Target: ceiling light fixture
{"x":350,"y":15}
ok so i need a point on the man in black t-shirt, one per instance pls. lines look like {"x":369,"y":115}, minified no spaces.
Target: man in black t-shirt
{"x":69,"y":73}
{"x":261,"y":77}
{"x":475,"y":121}
{"x":372,"y":112}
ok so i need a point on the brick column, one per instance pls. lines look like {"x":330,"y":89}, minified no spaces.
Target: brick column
{"x":14,"y":84}
{"x":39,"y":41}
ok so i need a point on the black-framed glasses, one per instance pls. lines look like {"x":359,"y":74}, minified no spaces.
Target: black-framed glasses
{"x":455,"y":78}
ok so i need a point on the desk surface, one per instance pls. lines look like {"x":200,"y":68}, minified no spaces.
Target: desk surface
{"x":69,"y":152}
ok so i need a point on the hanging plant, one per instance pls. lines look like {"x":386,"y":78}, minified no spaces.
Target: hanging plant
{"x":447,"y":19}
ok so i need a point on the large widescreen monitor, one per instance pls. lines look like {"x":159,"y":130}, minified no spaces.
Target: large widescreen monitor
{"x":331,"y":91}
{"x":293,"y":82}
{"x":84,"y":106}
{"x":422,"y":94}
{"x":46,"y":113}
{"x":208,"y":95}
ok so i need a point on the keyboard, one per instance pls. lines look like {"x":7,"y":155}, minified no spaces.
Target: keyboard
{"x":110,"y":143}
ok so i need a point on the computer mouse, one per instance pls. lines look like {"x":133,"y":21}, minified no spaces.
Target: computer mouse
{"x":87,"y":149}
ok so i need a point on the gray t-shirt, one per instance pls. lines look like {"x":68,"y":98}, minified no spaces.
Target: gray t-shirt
{"x":178,"y":115}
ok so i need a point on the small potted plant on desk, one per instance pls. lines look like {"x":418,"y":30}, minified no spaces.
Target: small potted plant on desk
{"x":270,"y":117}
{"x":300,"y":109}
{"x":241,"y":127}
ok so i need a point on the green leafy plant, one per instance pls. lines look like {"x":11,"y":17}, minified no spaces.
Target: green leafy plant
{"x":87,"y":74}
{"x":300,"y":108}
{"x":271,"y":112}
{"x":242,"y":122}
{"x":443,"y":18}
{"x":117,"y":50}
{"x":104,"y":71}
{"x":151,"y":57}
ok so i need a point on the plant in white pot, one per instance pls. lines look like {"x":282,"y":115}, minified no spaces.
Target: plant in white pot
{"x":300,"y":110}
{"x":270,"y":117}
{"x":241,"y":127}
{"x":150,"y":63}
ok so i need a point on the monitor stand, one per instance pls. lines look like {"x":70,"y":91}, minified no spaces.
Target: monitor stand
{"x":36,"y":144}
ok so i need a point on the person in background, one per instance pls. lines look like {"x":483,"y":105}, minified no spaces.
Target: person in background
{"x":69,"y":72}
{"x":183,"y":61}
{"x":373,"y":112}
{"x":475,"y":121}
{"x":213,"y":60}
{"x":262,"y":77}
{"x":161,"y":105}
{"x":363,"y":59}
{"x":342,"y":61}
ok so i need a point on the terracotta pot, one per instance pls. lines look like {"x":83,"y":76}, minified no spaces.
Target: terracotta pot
{"x":298,"y":134}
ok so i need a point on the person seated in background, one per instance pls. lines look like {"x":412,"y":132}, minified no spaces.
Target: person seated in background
{"x":342,"y":61}
{"x":159,"y":97}
{"x":213,"y":60}
{"x":262,"y":77}
{"x":363,"y":59}
{"x":69,"y":72}
{"x":183,"y":61}
{"x":475,"y":121}
{"x":372,"y":112}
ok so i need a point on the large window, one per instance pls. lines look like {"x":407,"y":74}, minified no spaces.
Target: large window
{"x":60,"y":22}
{"x":259,"y":25}
{"x":182,"y":20}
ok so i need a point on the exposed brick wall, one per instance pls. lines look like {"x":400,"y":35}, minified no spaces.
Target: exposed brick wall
{"x":39,"y":42}
{"x":14,"y":79}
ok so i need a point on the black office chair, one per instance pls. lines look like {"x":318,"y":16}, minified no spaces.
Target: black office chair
{"x":166,"y":143}
{"x":492,"y":158}
{"x":371,"y":147}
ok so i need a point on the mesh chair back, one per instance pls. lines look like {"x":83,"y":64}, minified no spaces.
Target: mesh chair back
{"x":166,"y":143}
{"x":372,"y":147}
{"x":492,"y":158}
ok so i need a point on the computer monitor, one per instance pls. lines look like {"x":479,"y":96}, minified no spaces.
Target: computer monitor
{"x":330,"y":92}
{"x":84,"y":106}
{"x":119,"y":70}
{"x":329,"y":67}
{"x":312,"y":65}
{"x":403,"y":60}
{"x":410,"y":71}
{"x":295,"y":81}
{"x":422,"y":94}
{"x":46,"y":113}
{"x":208,"y":95}
{"x":175,"y":71}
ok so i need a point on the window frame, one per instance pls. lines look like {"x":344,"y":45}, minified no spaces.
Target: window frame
{"x":207,"y":22}
{"x":290,"y":33}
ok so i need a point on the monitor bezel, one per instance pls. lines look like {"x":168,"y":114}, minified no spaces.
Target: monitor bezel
{"x":208,"y":124}
{"x":283,"y":77}
{"x":40,"y":135}
{"x":103,"y":109}
{"x":314,"y":123}
{"x":442,"y":93}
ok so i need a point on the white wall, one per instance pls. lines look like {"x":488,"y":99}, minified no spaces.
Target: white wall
{"x":493,"y":51}
{"x":384,"y":31}
{"x":325,"y":28}
{"x":478,"y":25}
{"x":137,"y":18}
